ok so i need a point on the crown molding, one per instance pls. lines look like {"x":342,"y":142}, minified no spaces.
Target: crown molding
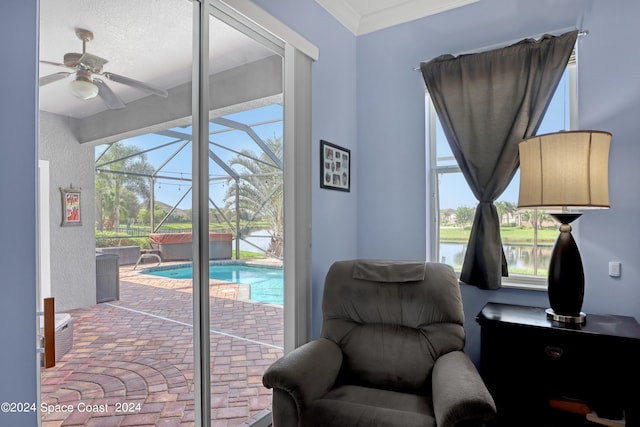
{"x":379,"y":14}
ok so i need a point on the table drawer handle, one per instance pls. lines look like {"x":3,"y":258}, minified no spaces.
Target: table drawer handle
{"x":554,"y":352}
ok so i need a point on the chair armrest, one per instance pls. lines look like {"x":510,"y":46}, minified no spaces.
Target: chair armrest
{"x":307,"y":373}
{"x":459,"y":394}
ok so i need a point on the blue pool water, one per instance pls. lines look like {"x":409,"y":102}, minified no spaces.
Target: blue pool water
{"x":266,"y":284}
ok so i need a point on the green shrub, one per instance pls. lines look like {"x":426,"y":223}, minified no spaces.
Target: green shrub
{"x":107,"y":239}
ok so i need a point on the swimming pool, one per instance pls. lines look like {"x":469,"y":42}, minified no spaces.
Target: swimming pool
{"x":266,"y":283}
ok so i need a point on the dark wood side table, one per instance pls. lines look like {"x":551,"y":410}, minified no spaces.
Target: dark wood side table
{"x":527,"y":360}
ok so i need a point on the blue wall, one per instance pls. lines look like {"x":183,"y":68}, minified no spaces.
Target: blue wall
{"x":609,"y":99}
{"x":389,"y":161}
{"x":18,"y":161}
{"x":390,"y":120}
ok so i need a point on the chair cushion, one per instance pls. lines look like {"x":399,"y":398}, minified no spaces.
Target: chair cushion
{"x":391,"y":333}
{"x":351,"y":405}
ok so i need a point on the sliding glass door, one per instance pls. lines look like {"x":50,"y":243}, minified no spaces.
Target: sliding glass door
{"x":174,"y":124}
{"x":244,"y":148}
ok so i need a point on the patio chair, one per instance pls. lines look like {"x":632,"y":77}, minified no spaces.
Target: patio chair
{"x":390,"y":354}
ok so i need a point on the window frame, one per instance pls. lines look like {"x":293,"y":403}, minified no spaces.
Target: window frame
{"x":517,"y":281}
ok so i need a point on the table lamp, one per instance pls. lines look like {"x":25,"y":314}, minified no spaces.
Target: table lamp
{"x":563,"y":173}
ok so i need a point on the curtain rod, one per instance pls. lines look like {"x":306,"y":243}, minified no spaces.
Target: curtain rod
{"x":581,"y":33}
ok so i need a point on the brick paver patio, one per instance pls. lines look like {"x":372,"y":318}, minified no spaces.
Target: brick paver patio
{"x":132,"y":360}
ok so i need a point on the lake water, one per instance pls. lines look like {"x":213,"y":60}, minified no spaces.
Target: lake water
{"x":256,"y":241}
{"x":518,"y":256}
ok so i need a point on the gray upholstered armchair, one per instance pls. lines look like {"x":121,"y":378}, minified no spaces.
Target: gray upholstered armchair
{"x":390,"y":354}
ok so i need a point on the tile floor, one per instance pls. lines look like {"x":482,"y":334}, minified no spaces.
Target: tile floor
{"x":131,"y":363}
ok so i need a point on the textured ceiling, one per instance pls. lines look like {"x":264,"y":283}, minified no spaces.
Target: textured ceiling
{"x":149,"y":42}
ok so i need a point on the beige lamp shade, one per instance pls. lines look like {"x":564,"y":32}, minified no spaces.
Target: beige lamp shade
{"x":565,"y":170}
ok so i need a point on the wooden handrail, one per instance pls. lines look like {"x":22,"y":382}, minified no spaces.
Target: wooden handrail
{"x":49,"y":333}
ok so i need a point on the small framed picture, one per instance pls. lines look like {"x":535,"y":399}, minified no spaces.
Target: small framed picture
{"x":335,"y":167}
{"x":71,"y":212}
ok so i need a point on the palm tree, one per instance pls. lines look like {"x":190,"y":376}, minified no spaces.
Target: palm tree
{"x":529,"y":216}
{"x":260,"y":190}
{"x":505,"y":209}
{"x":501,"y":209}
{"x":510,"y":209}
{"x":115,"y":188}
{"x":543,"y":217}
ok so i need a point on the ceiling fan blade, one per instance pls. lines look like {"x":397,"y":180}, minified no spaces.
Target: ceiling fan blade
{"x":108,"y":96}
{"x":136,"y":84}
{"x":57,"y":64}
{"x":45,"y":80}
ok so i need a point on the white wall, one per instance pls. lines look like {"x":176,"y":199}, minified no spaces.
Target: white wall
{"x":73,"y":268}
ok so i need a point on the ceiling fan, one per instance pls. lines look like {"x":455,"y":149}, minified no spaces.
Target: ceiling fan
{"x":87,"y":71}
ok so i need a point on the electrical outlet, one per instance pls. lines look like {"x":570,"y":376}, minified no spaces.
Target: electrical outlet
{"x":614,"y":268}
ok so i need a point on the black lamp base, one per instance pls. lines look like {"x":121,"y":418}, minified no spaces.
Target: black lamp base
{"x":565,"y":318}
{"x":566,"y":275}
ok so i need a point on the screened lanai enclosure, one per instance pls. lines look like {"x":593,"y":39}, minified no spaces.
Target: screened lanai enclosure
{"x":144,"y":183}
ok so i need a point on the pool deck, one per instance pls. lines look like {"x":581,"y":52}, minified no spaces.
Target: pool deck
{"x":132,"y":359}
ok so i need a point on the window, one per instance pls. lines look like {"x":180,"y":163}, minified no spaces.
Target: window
{"x":527,"y":235}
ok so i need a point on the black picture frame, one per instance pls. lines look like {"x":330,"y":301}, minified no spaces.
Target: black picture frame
{"x":335,"y":167}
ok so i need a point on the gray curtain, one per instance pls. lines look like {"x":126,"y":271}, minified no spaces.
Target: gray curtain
{"x":487,"y":103}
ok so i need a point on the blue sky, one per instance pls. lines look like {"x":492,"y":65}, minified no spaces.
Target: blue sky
{"x":170,"y":191}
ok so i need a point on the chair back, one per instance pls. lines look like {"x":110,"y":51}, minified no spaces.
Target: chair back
{"x":392,"y":320}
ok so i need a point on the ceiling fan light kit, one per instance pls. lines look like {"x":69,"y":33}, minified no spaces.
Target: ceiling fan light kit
{"x":85,"y":67}
{"x":82,"y":87}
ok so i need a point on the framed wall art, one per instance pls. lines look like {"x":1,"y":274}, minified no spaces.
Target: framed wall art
{"x":335,"y":167}
{"x":71,"y":212}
